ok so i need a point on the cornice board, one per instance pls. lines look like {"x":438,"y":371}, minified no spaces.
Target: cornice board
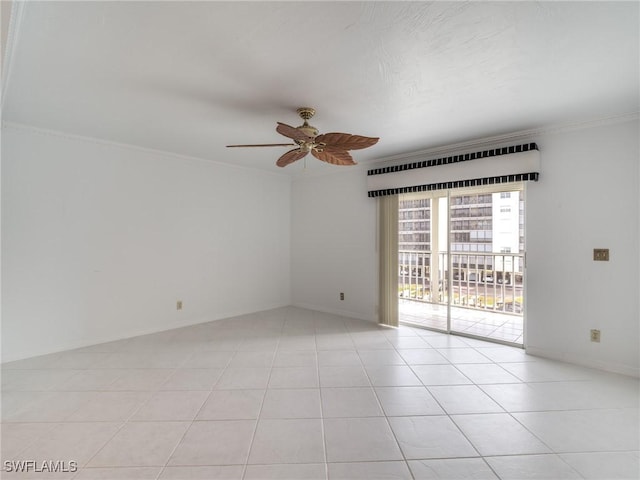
{"x":109,"y":143}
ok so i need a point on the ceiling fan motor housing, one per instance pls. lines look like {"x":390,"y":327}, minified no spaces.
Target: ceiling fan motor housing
{"x":306,"y":113}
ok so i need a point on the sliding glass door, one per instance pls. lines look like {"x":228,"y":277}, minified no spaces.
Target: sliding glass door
{"x":461,"y":261}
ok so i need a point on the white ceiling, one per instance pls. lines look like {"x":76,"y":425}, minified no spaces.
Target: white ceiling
{"x":190,"y":78}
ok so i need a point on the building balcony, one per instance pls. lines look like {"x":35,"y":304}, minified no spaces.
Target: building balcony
{"x":483,"y":295}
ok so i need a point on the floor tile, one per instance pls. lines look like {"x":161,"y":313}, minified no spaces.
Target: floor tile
{"x":526,"y":467}
{"x":380,"y":357}
{"x":279,"y":441}
{"x":295,"y":359}
{"x":110,"y":407}
{"x":504,"y":354}
{"x":452,"y":469}
{"x":291,"y":403}
{"x":141,"y":380}
{"x":118,"y":473}
{"x":446,"y":341}
{"x":230,"y":472}
{"x":372,"y":343}
{"x":297,"y":343}
{"x":499,"y":434}
{"x":72,"y":441}
{"x":408,"y":342}
{"x":192,"y":379}
{"x":243,"y":378}
{"x":334,"y":342}
{"x":252,"y":359}
{"x":422,"y":356}
{"x":209,"y":359}
{"x":609,"y":465}
{"x":350,"y":402}
{"x":430,"y":437}
{"x":15,"y":437}
{"x":215,"y":443}
{"x":407,"y":401}
{"x":145,"y":360}
{"x":484,"y":373}
{"x":369,"y":471}
{"x":232,"y":405}
{"x":547,"y":371}
{"x":78,"y":360}
{"x":294,"y":377}
{"x":341,"y":358}
{"x":440,"y":375}
{"x":312,"y":471}
{"x":259,"y":344}
{"x":142,"y":444}
{"x":392,"y":376}
{"x":90,"y":380}
{"x":463,"y":355}
{"x":457,"y":399}
{"x":171,"y":406}
{"x":343,"y":377}
{"x":360,"y":440}
{"x":341,"y":396}
{"x":585,"y":430}
{"x":50,"y":407}
{"x":34,"y":380}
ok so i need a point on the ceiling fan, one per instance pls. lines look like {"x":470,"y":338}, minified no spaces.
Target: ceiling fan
{"x":328,"y":147}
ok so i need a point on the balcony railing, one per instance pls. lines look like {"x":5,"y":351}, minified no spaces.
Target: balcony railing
{"x":480,"y":281}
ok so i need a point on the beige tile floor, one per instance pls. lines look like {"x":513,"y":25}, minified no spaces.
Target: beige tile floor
{"x":296,"y":394}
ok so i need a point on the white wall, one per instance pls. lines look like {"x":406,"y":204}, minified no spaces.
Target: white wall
{"x":333,"y":247}
{"x":99,"y":241}
{"x":587,"y":197}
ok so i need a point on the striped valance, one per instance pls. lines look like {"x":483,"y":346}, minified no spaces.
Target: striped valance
{"x":501,"y":165}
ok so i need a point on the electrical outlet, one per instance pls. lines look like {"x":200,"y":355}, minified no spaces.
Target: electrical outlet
{"x":601,"y":254}
{"x":179,"y":305}
{"x":341,"y":295}
{"x":595,"y":336}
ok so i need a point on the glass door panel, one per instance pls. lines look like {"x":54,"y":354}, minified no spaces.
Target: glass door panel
{"x":423,"y":260}
{"x":461,"y":261}
{"x":486,"y":242}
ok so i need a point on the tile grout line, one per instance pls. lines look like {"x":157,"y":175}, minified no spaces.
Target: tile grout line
{"x":264,"y":396}
{"x":384,"y":413}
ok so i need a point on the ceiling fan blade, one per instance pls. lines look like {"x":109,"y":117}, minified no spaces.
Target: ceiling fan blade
{"x":291,"y":156}
{"x":334,"y":157}
{"x":265,"y":145}
{"x":346,"y":141}
{"x":292,"y":132}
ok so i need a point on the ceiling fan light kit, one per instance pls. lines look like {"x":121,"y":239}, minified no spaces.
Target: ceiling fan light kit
{"x":331,"y":148}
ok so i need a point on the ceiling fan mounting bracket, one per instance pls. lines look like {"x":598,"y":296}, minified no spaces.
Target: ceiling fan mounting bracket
{"x":306,"y":113}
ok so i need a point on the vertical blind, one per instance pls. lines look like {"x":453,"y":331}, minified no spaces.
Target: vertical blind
{"x":388,"y":250}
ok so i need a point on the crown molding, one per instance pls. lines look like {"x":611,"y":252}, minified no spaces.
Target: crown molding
{"x":134,"y":148}
{"x":497,"y":140}
{"x":13,"y":35}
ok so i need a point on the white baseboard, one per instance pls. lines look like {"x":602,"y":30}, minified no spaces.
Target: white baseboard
{"x":612,"y":367}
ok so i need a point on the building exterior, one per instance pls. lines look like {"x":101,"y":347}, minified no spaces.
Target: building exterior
{"x":485,"y":242}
